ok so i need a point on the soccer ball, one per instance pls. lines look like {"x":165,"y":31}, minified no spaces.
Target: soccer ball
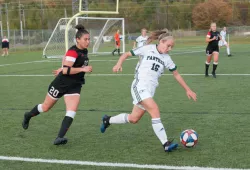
{"x":189,"y":138}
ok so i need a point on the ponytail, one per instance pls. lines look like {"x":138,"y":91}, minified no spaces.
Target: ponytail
{"x":81,"y":31}
{"x":159,"y":35}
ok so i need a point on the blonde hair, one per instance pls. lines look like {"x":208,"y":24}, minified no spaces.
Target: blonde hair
{"x":160,"y":35}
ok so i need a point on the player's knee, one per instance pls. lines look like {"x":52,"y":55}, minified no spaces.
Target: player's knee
{"x":45,"y":108}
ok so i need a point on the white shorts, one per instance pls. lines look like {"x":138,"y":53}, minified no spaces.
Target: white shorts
{"x":141,"y":90}
{"x":222,"y":43}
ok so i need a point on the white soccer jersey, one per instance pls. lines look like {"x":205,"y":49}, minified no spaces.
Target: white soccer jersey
{"x":141,"y":41}
{"x":223,"y":34}
{"x":152,"y":63}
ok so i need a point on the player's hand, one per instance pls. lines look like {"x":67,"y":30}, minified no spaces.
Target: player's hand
{"x":87,"y":69}
{"x":117,"y":68}
{"x":191,"y":94}
{"x":214,"y":38}
{"x":56,"y":72}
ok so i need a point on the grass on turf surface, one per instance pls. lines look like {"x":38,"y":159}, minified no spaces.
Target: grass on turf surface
{"x":220,"y":116}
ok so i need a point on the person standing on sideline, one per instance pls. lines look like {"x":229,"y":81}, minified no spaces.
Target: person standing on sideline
{"x":117,"y":42}
{"x":5,"y":46}
{"x":142,"y":39}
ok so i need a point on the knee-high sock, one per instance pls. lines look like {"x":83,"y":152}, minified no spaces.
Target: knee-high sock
{"x":228,"y":51}
{"x":119,"y":119}
{"x":35,"y":111}
{"x":67,"y":121}
{"x":206,"y":68}
{"x":215,"y":67}
{"x":159,"y":130}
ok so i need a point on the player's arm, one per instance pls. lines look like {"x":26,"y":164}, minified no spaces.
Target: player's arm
{"x":180,"y":80}
{"x":69,"y":61}
{"x":208,"y":37}
{"x":134,"y":52}
{"x":118,"y":66}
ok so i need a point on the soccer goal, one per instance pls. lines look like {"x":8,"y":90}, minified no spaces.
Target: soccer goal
{"x":101,"y":31}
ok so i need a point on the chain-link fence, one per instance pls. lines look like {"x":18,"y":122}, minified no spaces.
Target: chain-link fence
{"x":34,"y":40}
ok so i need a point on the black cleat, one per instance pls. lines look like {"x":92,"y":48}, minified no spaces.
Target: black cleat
{"x":229,"y":55}
{"x":214,"y":75}
{"x":60,"y":141}
{"x":105,"y":123}
{"x":206,"y":75}
{"x":26,"y":121}
{"x":113,"y":53}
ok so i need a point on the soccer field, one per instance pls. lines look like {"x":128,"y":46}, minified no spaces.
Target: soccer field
{"x":221,"y":115}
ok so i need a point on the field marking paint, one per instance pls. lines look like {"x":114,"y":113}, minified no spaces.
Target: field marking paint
{"x":109,"y":164}
{"x":38,"y":61}
{"x":49,"y":75}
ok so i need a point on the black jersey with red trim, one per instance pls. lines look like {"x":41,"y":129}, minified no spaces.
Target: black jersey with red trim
{"x":211,"y":35}
{"x":80,"y":59}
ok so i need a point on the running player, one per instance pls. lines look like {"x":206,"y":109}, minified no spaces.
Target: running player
{"x":68,"y":83}
{"x":155,"y":60}
{"x":117,"y":42}
{"x":142,"y":39}
{"x":223,"y":41}
{"x":5,"y":46}
{"x":212,"y":50}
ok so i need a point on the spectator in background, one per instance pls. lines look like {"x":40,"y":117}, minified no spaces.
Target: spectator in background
{"x":117,"y":42}
{"x":5,"y":46}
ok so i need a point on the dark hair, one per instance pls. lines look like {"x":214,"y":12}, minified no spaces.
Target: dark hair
{"x":81,"y":31}
{"x":159,"y":34}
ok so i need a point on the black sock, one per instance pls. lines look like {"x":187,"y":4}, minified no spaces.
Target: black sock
{"x":214,"y":67}
{"x":67,"y":121}
{"x":207,"y":67}
{"x":114,"y":50}
{"x":33,"y":112}
{"x":119,"y":51}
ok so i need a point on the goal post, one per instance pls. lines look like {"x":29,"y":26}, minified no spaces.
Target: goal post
{"x":69,"y":24}
{"x":101,"y":31}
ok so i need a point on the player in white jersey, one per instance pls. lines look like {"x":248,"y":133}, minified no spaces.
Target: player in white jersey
{"x":155,"y":60}
{"x":223,"y":41}
{"x":142,"y":39}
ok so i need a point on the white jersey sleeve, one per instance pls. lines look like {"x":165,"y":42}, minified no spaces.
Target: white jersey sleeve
{"x":138,"y":51}
{"x":169,"y":64}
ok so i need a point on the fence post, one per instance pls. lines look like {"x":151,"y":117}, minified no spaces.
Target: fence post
{"x":29,"y":38}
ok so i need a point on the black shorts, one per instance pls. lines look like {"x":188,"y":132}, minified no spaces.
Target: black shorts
{"x":210,"y":50}
{"x":5,"y":45}
{"x":60,"y":87}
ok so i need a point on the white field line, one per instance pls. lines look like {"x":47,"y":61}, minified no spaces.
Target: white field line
{"x":39,"y":61}
{"x":109,"y":75}
{"x":109,"y":164}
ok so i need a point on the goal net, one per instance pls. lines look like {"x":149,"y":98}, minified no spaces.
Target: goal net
{"x":101,"y":31}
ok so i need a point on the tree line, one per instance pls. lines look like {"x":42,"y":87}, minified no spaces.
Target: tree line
{"x":152,"y":14}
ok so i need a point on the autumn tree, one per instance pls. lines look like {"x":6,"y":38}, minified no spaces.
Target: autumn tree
{"x":211,"y":11}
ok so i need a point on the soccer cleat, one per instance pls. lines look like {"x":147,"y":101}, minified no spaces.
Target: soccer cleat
{"x":229,"y":55}
{"x":170,"y":146}
{"x":113,"y":53}
{"x":60,"y":141}
{"x":26,"y":121}
{"x":105,"y":123}
{"x":206,"y":75}
{"x":214,"y":75}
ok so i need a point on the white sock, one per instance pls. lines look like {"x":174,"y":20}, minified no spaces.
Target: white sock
{"x":228,"y":50}
{"x":119,"y":119}
{"x":40,"y":108}
{"x":159,"y":130}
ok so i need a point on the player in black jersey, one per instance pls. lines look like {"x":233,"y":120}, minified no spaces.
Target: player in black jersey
{"x":212,"y":50}
{"x":67,"y":83}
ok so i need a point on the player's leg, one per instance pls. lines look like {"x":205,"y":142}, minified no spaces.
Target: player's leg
{"x":7,"y":51}
{"x":3,"y":51}
{"x":215,"y":64}
{"x":48,"y":103}
{"x":150,"y":105}
{"x":71,"y":101}
{"x":113,"y":53}
{"x":118,"y":47}
{"x":208,"y":61}
{"x":228,"y":49}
